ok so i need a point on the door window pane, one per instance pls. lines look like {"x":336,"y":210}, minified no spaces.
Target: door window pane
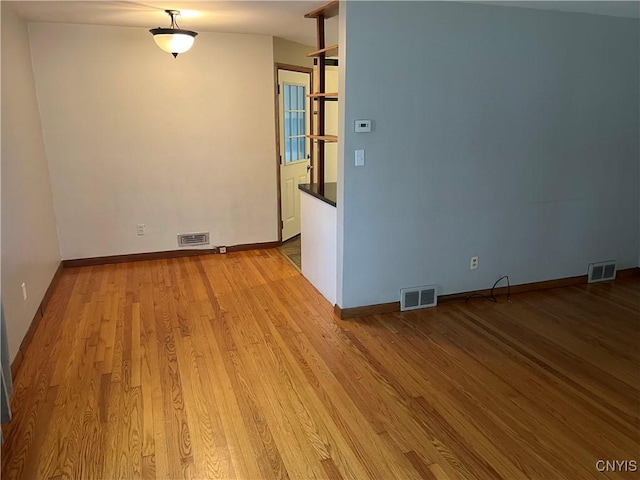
{"x":287,"y":148}
{"x":295,"y":121}
{"x":287,"y":124}
{"x":301,"y":147}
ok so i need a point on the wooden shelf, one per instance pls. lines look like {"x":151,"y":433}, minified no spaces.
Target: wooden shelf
{"x":322,"y":51}
{"x":324,"y":138}
{"x":321,"y":96}
{"x":318,"y":95}
{"x":327,"y":11}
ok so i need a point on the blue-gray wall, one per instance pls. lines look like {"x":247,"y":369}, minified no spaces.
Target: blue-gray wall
{"x":507,"y":133}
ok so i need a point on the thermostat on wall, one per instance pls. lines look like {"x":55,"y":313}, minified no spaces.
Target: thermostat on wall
{"x":362,"y":126}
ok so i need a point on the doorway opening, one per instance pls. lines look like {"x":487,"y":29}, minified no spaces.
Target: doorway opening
{"x":292,"y":249}
{"x":295,"y":159}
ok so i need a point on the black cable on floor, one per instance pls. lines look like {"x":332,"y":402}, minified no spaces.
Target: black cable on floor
{"x":492,"y":297}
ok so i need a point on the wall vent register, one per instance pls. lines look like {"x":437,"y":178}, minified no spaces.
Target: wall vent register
{"x":418,"y":297}
{"x":602,"y":271}
{"x":193,"y":239}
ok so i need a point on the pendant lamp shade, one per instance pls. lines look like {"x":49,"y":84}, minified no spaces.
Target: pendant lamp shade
{"x":173,"y":40}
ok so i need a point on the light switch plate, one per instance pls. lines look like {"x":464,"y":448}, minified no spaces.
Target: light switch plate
{"x":359,"y":158}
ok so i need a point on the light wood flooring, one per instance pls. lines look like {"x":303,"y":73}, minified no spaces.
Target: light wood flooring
{"x":233,"y":366}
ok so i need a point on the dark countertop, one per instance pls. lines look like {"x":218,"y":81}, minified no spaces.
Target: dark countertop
{"x":328,"y":196}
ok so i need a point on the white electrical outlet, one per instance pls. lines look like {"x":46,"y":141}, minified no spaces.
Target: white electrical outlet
{"x":473,"y":264}
{"x":222,"y":249}
{"x":141,"y":228}
{"x":24,"y":291}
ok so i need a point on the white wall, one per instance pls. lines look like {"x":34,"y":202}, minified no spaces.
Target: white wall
{"x":292,"y":53}
{"x":135,"y":136}
{"x":318,"y":244}
{"x":507,"y":133}
{"x":30,"y":251}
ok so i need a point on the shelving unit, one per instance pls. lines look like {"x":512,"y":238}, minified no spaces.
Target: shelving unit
{"x":327,"y":11}
{"x":324,"y":138}
{"x":321,"y":95}
{"x":325,"y":95}
{"x":321,"y":51}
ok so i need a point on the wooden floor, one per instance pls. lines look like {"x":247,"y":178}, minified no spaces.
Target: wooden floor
{"x":233,"y":366}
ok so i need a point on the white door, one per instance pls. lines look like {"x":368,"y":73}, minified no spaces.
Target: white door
{"x":295,"y":122}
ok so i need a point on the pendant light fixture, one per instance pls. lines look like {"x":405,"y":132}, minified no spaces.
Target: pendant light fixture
{"x":173,"y":40}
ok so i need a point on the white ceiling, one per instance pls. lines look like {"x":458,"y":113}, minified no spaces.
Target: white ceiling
{"x":278,"y":18}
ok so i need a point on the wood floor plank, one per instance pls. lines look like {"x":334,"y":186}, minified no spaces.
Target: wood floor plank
{"x":470,"y":401}
{"x":419,"y":464}
{"x":155,"y":433}
{"x":234,"y":366}
{"x":545,"y":398}
{"x":439,"y":427}
{"x":372,"y":424}
{"x":331,"y":470}
{"x":604,"y":392}
{"x":282,"y":346}
{"x":500,"y":394}
{"x":237,"y":414}
{"x":211,"y":456}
